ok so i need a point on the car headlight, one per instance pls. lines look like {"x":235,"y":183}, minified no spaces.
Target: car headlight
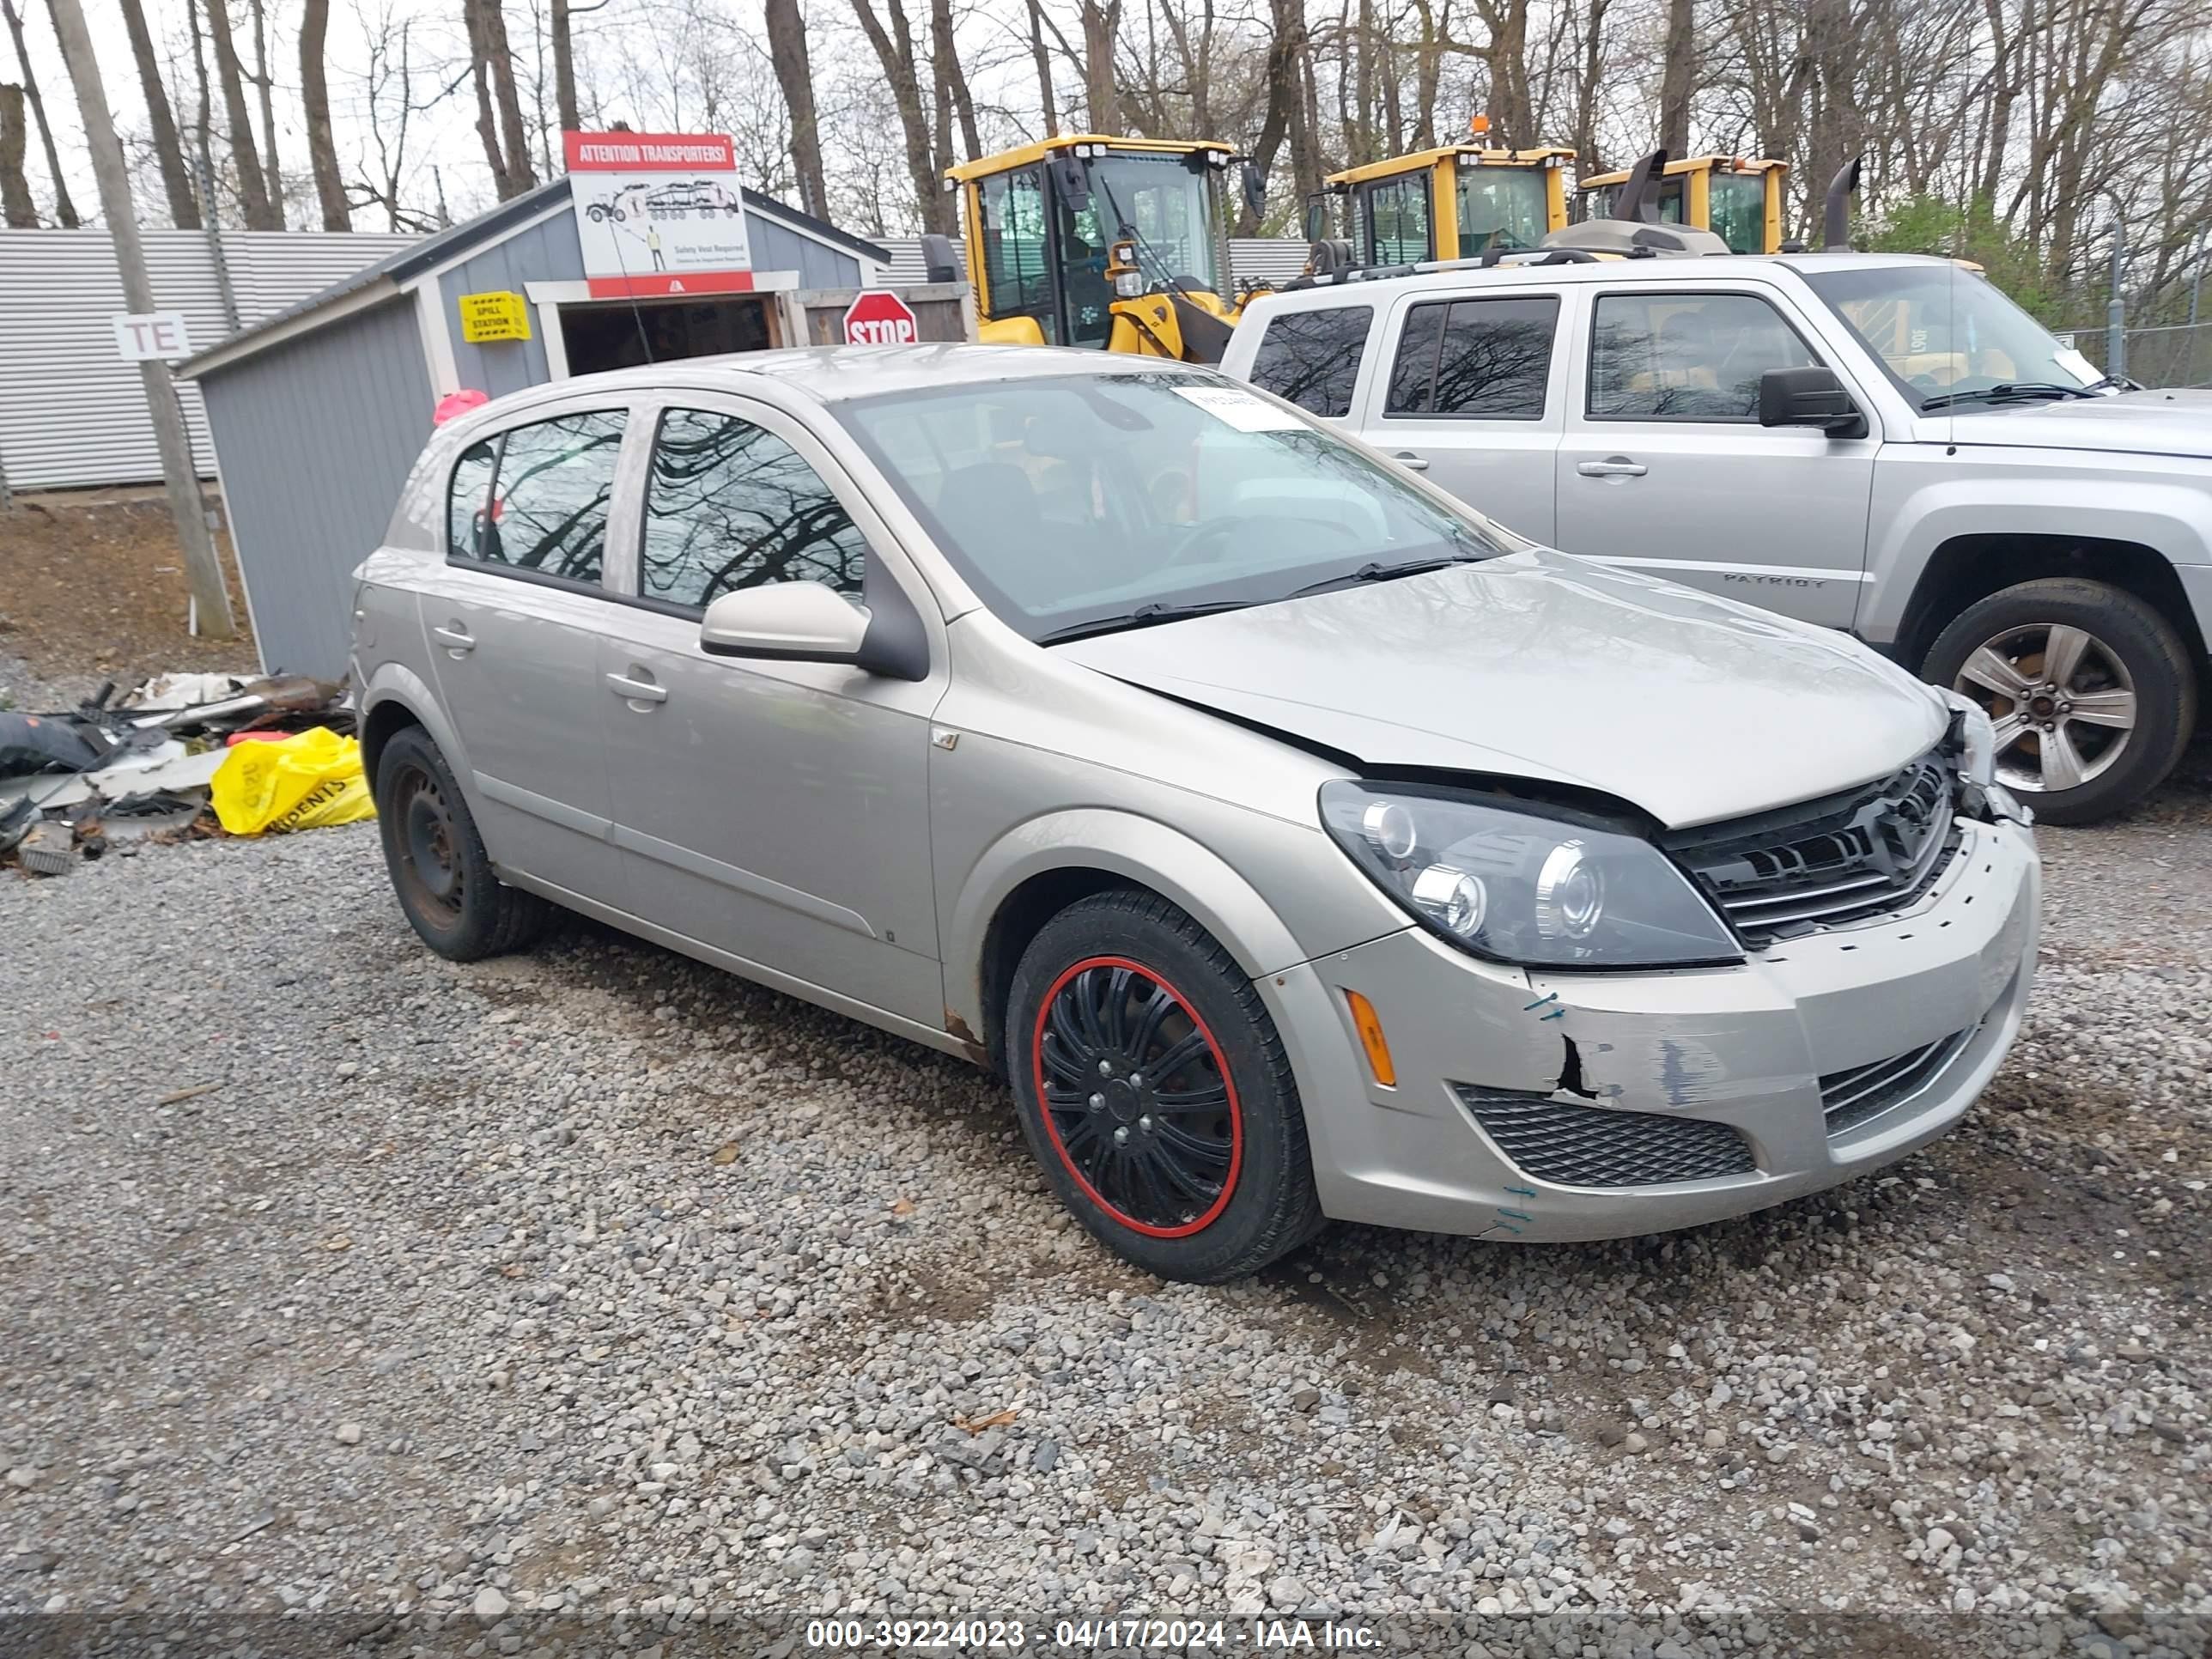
{"x":1522,"y":887}
{"x":1979,"y":739}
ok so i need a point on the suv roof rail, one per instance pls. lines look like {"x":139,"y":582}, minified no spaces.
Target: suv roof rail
{"x":1511,"y":258}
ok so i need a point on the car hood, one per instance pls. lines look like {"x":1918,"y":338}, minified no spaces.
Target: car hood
{"x":2176,"y":423}
{"x":1543,"y":666}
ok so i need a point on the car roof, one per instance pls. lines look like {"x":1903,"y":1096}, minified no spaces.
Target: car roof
{"x":1458,"y":276}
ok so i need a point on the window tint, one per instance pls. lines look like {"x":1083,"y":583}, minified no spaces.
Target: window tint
{"x":466,"y":523}
{"x":1484,"y":358}
{"x":1686,"y":356}
{"x":731,"y":505}
{"x":1312,"y":357}
{"x":1014,"y":252}
{"x":550,"y":484}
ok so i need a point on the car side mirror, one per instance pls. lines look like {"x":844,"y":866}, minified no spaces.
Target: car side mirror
{"x":785,"y":621}
{"x":1809,"y":396}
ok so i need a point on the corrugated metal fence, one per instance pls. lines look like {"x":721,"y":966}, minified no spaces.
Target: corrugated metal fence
{"x":72,"y":413}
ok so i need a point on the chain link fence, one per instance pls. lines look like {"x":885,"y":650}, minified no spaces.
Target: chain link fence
{"x":2175,"y":354}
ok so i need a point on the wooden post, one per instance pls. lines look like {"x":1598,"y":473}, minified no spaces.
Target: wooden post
{"x":203,"y":571}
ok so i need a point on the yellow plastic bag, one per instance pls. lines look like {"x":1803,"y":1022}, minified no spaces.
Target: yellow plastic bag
{"x":299,"y":782}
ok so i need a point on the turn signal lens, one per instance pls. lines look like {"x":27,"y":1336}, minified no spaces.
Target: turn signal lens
{"x":1372,"y":1039}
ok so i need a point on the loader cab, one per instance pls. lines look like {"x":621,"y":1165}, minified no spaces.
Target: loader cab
{"x":1457,"y":201}
{"x":1738,"y":200}
{"x":1062,"y":235}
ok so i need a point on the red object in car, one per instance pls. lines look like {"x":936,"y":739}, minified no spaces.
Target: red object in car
{"x":458,"y":403}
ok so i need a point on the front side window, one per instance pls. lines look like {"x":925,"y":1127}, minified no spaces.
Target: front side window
{"x":550,"y":485}
{"x":1686,"y":356}
{"x":1480,"y":359}
{"x":731,"y":505}
{"x":1502,"y":207}
{"x":1015,"y":258}
{"x":1398,"y":221}
{"x":1312,"y":357}
{"x":468,"y":498}
{"x":1945,"y":333}
{"x":1068,"y":501}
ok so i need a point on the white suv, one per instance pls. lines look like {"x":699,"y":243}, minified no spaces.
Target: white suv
{"x":1880,"y":443}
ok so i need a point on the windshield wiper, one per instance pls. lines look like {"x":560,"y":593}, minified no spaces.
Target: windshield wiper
{"x":2006,"y":391}
{"x":1374,"y":572}
{"x":1144,"y":615}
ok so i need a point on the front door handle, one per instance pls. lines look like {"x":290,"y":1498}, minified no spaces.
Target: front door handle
{"x":1411,"y":462}
{"x":455,"y":638}
{"x":636,"y":690}
{"x":1617,"y":466}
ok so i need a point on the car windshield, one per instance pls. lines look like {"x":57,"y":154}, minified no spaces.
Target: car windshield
{"x":1083,"y":498}
{"x":1945,"y":335}
{"x":1161,"y":202}
{"x":1501,"y":207}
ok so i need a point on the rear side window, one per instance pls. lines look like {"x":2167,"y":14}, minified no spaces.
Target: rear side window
{"x":731,"y":505}
{"x":1312,"y":357}
{"x":545,"y":510}
{"x":1478,"y":359}
{"x":1686,"y":356}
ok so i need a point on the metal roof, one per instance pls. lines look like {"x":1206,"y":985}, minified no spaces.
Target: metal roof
{"x":456,"y":241}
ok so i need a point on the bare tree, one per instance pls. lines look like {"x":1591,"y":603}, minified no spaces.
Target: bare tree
{"x":1102,"y":25}
{"x":252,"y":183}
{"x":315,"y":101}
{"x":794,"y":74}
{"x":1043,"y":59}
{"x":17,"y":210}
{"x":564,"y":62}
{"x":265,"y":85}
{"x":1677,"y":76}
{"x":499,"y":107}
{"x":161,"y":121}
{"x":891,"y":37}
{"x":64,"y":210}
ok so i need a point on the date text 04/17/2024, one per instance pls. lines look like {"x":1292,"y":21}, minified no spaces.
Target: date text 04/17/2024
{"x":1118,"y":1634}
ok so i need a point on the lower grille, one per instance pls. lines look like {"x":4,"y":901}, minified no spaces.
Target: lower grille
{"x":1864,"y":852}
{"x":1852,"y":1096}
{"x":1577,"y":1145}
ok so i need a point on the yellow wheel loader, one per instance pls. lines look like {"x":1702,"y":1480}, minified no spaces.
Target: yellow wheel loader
{"x":1457,"y":202}
{"x":1117,"y":243}
{"x":1739,"y":200}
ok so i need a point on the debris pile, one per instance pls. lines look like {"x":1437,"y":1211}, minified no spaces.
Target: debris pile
{"x":119,"y":771}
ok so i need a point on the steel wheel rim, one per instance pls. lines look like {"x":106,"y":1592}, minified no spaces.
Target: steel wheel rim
{"x":431,"y":872}
{"x":2062,"y":701}
{"x":1136,"y":1097}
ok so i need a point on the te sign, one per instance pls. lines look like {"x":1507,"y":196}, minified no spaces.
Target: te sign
{"x":879,"y":319}
{"x":152,"y":337}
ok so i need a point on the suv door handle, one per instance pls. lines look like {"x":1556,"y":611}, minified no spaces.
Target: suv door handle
{"x":636,"y":690}
{"x":455,"y":638}
{"x":1617,"y":467}
{"x":1411,"y":462}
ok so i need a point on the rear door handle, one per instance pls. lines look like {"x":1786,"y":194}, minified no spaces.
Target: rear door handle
{"x":455,"y":638}
{"x":1619,"y":466}
{"x":1411,"y":462}
{"x":636,"y":690}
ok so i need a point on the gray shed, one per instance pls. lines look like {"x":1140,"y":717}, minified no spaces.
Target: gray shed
{"x":319,"y":412}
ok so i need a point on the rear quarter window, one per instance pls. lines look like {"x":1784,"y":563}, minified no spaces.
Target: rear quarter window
{"x":1312,"y":357}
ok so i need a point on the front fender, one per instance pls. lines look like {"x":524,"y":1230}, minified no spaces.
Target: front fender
{"x":2025,"y":493}
{"x":1139,"y":849}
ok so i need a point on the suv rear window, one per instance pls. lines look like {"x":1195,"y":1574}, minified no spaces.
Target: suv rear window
{"x":1484,"y":359}
{"x":1312,"y":357}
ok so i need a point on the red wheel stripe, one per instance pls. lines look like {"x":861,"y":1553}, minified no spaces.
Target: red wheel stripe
{"x":1221,"y":1061}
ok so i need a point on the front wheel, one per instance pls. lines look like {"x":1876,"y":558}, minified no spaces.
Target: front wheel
{"x":1155,"y":1093}
{"x":2091,"y":692}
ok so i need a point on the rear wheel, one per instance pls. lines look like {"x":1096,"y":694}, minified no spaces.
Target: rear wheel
{"x":1155,"y":1093}
{"x":2091,"y":691}
{"x":440,"y":870}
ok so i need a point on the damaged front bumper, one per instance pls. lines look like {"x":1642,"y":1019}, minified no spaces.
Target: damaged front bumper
{"x":1545,"y":1107}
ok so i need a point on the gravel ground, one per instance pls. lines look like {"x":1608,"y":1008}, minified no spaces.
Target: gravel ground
{"x":347,"y":1286}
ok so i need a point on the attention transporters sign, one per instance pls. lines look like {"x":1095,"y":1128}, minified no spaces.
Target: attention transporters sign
{"x":658,"y":214}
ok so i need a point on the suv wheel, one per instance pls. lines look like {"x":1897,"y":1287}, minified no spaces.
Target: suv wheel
{"x":439,"y":869}
{"x":2091,"y":691}
{"x":1155,"y":1093}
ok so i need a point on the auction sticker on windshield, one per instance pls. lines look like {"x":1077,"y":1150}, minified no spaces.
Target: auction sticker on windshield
{"x":1241,"y":409}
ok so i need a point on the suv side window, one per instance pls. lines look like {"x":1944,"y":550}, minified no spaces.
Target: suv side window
{"x":1485,"y":359}
{"x":731,"y":505}
{"x":1312,"y":357}
{"x":544,"y":506}
{"x":1686,"y":356}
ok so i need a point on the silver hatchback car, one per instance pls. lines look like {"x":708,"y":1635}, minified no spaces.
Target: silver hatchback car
{"x":1298,"y":843}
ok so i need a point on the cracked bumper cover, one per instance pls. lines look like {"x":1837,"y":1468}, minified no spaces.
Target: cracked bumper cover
{"x":1743,"y":1046}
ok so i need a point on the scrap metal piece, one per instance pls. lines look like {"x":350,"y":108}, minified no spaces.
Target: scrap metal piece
{"x":50,"y":848}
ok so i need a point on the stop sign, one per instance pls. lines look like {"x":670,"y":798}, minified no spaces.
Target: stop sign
{"x":880,"y":318}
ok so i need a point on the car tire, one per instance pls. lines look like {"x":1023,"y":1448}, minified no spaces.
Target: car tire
{"x":2131,"y":653}
{"x":439,"y":868}
{"x":1184,"y":1178}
